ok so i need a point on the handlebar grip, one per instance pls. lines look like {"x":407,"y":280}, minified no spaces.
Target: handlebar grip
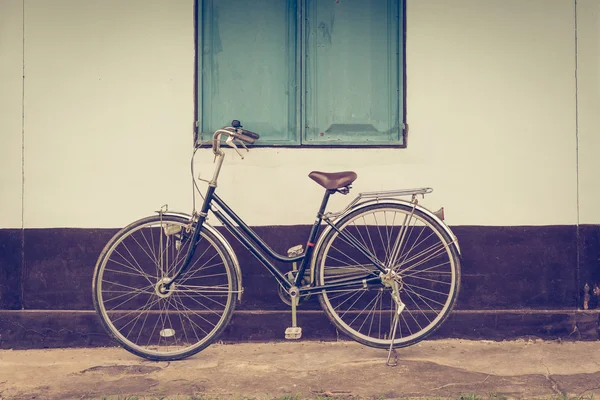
{"x":252,"y":135}
{"x":245,"y":138}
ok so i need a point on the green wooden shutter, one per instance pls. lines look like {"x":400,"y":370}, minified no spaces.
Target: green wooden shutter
{"x":352,"y":72}
{"x":248,"y":67}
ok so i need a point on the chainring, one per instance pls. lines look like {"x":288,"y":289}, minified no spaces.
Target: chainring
{"x":286,"y":297}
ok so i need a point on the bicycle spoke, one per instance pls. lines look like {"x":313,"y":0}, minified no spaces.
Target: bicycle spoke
{"x":352,"y":259}
{"x":354,"y":293}
{"x":416,"y":242}
{"x":415,"y":276}
{"x":132,"y":311}
{"x":145,"y":252}
{"x":196,"y":314}
{"x":176,"y":321}
{"x":150,"y":246}
{"x":155,"y":325}
{"x":355,"y":318}
{"x":433,"y":270}
{"x":187,"y":274}
{"x":399,"y":236}
{"x":137,"y":318}
{"x":123,"y":272}
{"x":127,"y":286}
{"x":357,"y":299}
{"x":196,"y":276}
{"x":400,"y":240}
{"x":187,"y":340}
{"x":435,"y":253}
{"x":126,"y":292}
{"x":200,"y":304}
{"x":363,"y":248}
{"x":139,"y":268}
{"x":140,"y":273}
{"x":378,"y":231}
{"x":155,"y":251}
{"x":388,"y":252}
{"x":221,"y":290}
{"x":422,"y":296}
{"x":415,"y":256}
{"x":410,"y":313}
{"x":192,"y":323}
{"x":206,"y":297}
{"x":379,"y":295}
{"x":180,"y":258}
{"x":368,"y":234}
{"x":135,"y":294}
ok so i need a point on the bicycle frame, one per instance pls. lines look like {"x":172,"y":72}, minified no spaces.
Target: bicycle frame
{"x":248,"y":237}
{"x":255,"y":244}
{"x":407,"y":276}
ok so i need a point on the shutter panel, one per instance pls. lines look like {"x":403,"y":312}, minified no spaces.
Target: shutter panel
{"x":352,"y":72}
{"x":247,"y":61}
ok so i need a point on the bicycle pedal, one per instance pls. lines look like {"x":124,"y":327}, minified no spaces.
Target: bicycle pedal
{"x":294,"y":332}
{"x":295,"y":251}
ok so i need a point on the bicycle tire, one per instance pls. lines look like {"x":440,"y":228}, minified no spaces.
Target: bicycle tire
{"x":180,"y":322}
{"x":427,"y":263}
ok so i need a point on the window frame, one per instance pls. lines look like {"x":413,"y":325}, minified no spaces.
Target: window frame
{"x":204,"y":138}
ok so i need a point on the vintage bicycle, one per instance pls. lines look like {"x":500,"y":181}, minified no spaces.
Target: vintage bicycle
{"x":386,"y":270}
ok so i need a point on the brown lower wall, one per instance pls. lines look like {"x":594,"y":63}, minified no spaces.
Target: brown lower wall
{"x":536,"y":273}
{"x":52,"y":328}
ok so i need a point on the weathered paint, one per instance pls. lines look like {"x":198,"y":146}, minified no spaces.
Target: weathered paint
{"x":503,"y":267}
{"x":108,"y":106}
{"x":249,"y":67}
{"x":516,"y":281}
{"x":353,"y":72}
{"x":11,"y":113}
{"x":108,"y":128}
{"x":588,"y":109}
{"x":51,"y":328}
{"x":282,"y":68}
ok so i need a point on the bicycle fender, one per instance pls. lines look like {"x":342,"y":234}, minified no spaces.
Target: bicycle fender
{"x":424,"y":210}
{"x":366,"y":203}
{"x":224,"y":242}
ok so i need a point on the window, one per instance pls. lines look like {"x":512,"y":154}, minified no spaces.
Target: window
{"x":305,"y":72}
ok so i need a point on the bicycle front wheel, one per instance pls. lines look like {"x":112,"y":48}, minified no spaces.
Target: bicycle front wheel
{"x":132,"y":304}
{"x":406,"y":241}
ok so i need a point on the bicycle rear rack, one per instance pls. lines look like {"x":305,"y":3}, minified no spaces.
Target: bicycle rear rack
{"x":384,"y":194}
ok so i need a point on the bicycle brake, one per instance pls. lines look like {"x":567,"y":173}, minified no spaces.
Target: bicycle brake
{"x":231,"y":144}
{"x":244,"y":146}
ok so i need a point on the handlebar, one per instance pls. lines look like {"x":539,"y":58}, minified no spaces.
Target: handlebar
{"x":237,"y":124}
{"x":234,"y":132}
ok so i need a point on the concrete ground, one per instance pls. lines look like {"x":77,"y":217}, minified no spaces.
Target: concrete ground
{"x":315,"y":370}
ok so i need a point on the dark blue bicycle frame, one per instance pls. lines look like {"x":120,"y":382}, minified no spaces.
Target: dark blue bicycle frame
{"x":242,"y":232}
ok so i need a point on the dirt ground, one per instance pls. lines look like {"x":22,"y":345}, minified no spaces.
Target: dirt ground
{"x":431,"y":369}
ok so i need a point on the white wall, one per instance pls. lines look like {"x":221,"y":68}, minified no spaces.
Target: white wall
{"x":109,"y":105}
{"x":588,"y":72}
{"x":491,"y":109}
{"x":491,"y":100}
{"x":11,"y":72}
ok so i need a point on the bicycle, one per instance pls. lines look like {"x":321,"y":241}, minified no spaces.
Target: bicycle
{"x":386,"y":270}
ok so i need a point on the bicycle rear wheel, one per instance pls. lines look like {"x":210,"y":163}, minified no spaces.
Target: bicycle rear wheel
{"x":411,"y":243}
{"x":167,"y":325}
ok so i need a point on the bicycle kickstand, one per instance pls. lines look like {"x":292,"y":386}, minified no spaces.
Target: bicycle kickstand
{"x":399,"y":308}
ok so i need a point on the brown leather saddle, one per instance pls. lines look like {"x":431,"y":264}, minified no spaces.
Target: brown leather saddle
{"x":333,"y":180}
